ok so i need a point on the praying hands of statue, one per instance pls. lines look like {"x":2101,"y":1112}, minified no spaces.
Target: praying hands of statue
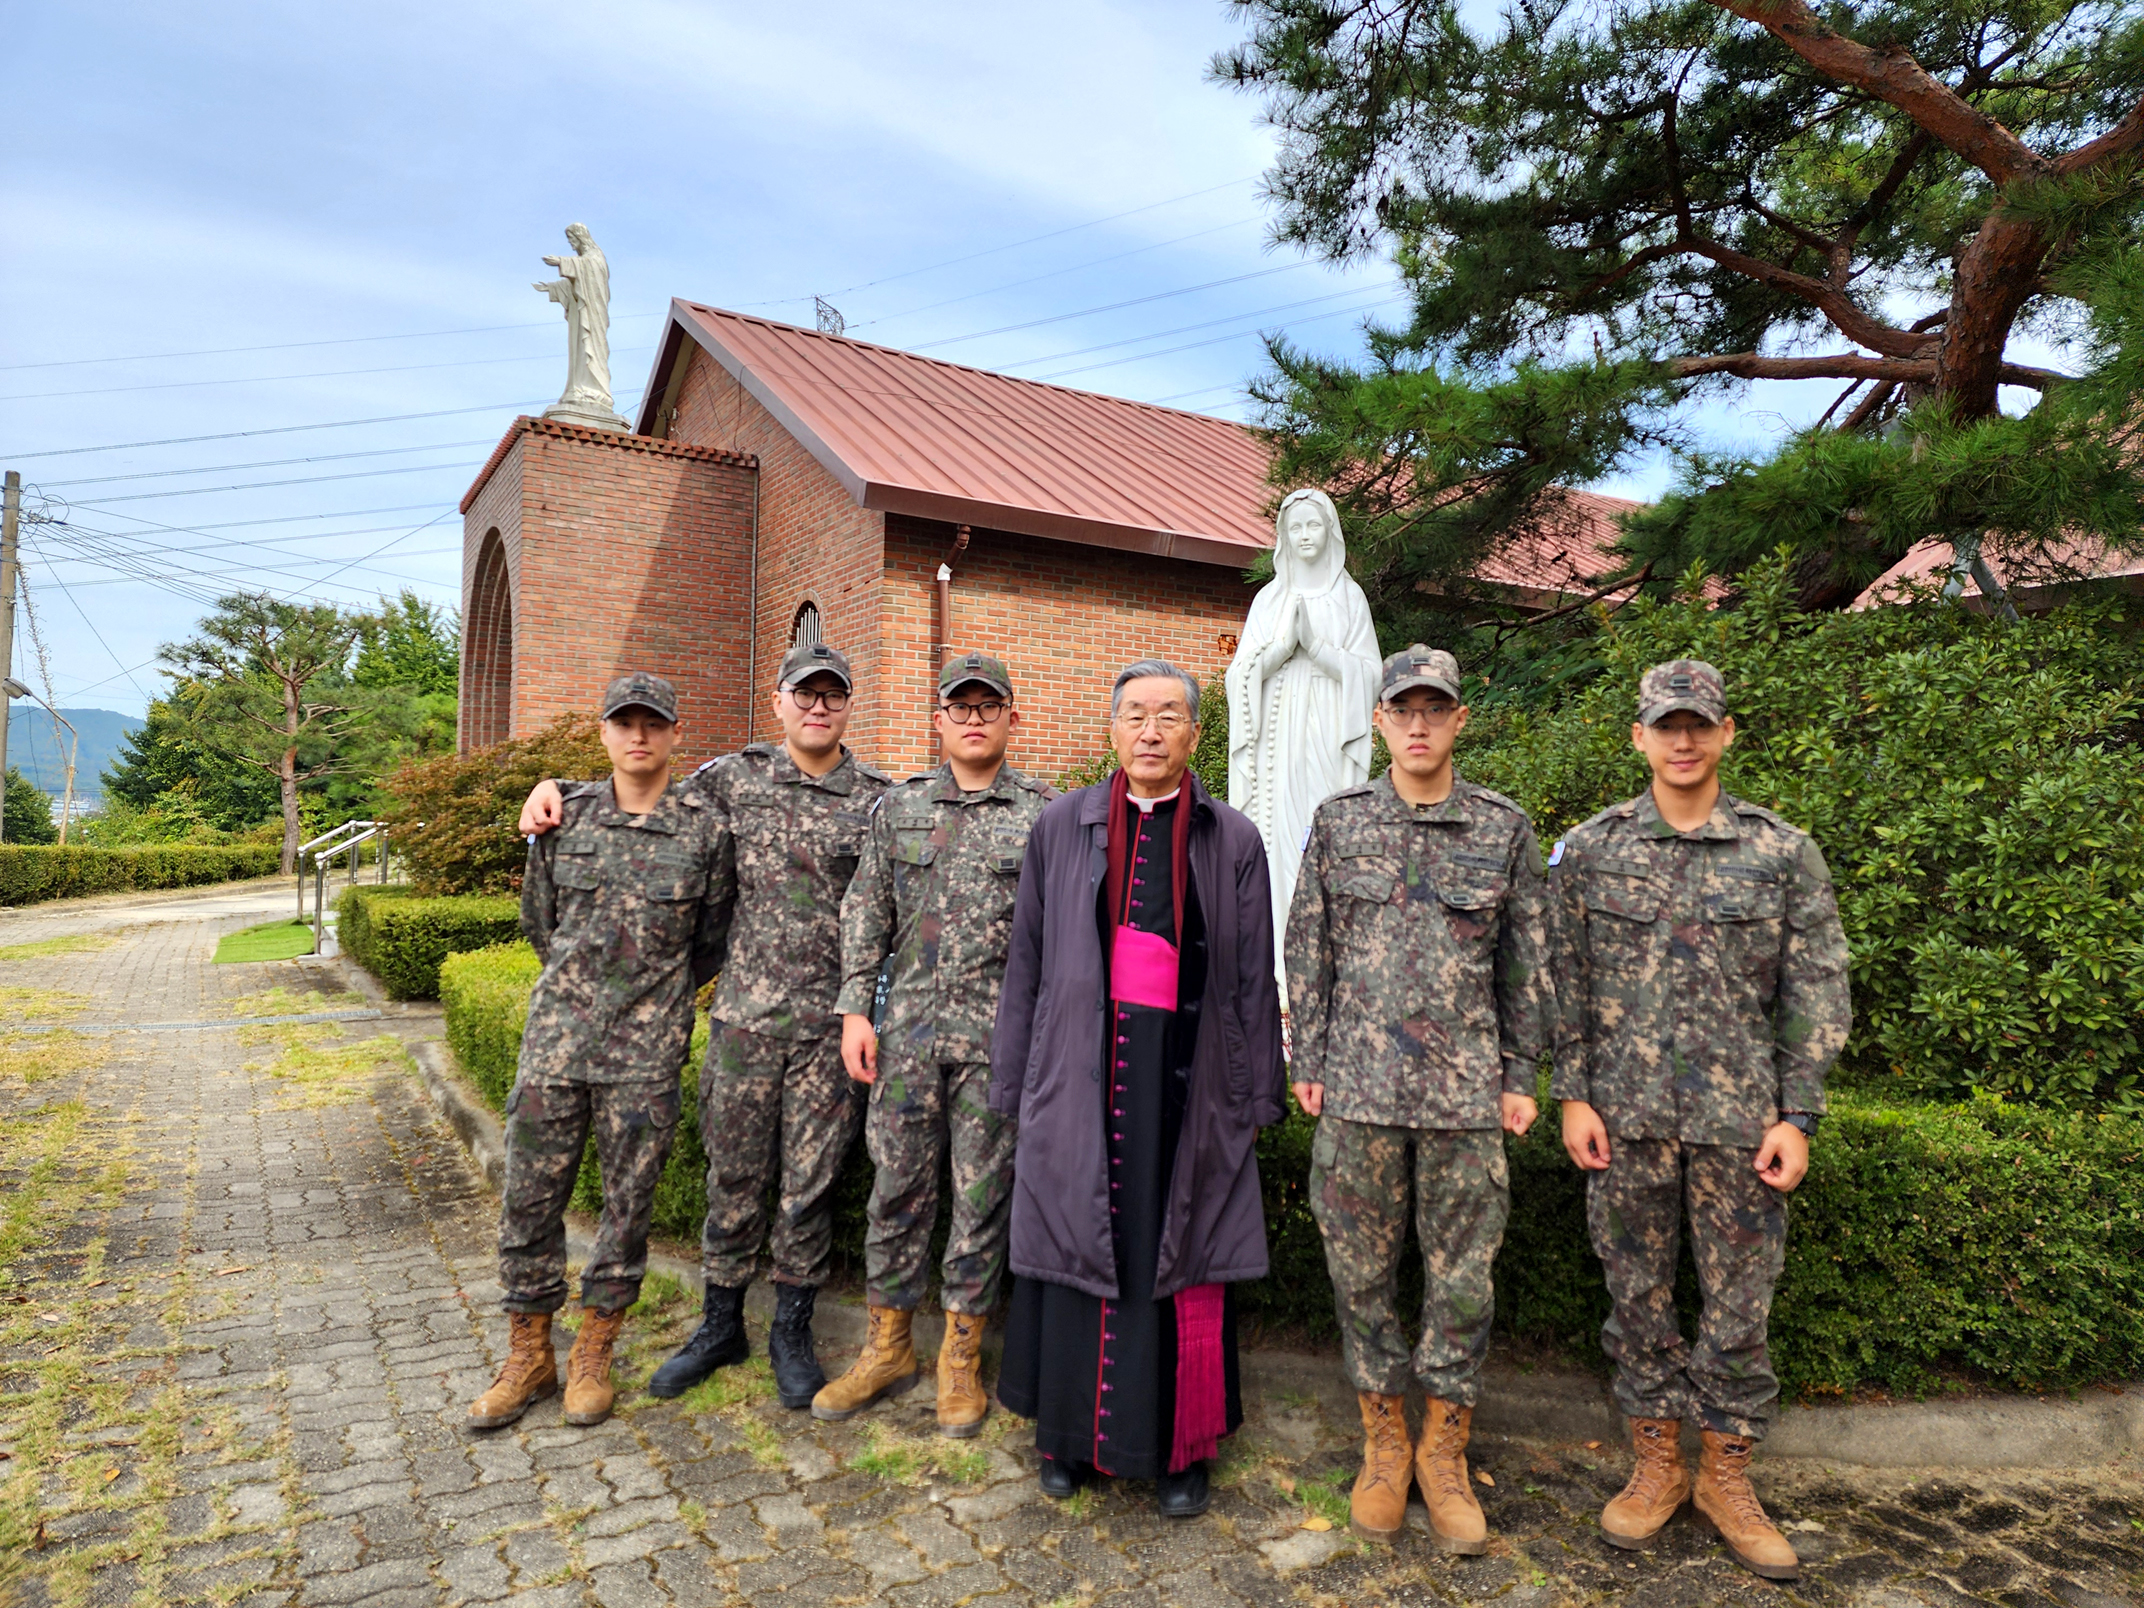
{"x":1306,"y":637}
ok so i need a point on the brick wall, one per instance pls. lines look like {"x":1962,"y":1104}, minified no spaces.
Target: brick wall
{"x":1064,"y":618}
{"x":621,"y":553}
{"x":815,"y":545}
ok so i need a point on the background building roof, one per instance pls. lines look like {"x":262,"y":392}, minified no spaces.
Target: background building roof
{"x":916,"y":435}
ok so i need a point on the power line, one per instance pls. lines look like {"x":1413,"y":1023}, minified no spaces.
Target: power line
{"x":954,"y":262}
{"x":1170,"y":351}
{"x":322,"y":374}
{"x":267,"y":463}
{"x":291,"y":346}
{"x":277,"y":429}
{"x":1186,"y":329}
{"x":258,"y":485}
{"x":1136,"y":301}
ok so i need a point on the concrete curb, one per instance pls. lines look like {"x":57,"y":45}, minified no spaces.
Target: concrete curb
{"x":1980,"y":1432}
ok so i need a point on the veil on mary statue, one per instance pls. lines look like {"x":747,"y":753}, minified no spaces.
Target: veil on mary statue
{"x":1301,"y":688}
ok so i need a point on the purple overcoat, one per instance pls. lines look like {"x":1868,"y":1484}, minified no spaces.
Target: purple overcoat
{"x":1046,"y":1056}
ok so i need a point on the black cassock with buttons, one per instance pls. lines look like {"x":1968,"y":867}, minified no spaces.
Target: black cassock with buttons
{"x":1098,"y":1375}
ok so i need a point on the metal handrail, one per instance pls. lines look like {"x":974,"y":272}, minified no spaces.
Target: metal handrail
{"x":322,"y":863}
{"x":298,"y":860}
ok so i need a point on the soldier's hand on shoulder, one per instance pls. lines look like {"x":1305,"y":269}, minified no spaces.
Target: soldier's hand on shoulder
{"x":1519,"y":1112}
{"x":1783,"y":1158}
{"x":544,"y":809}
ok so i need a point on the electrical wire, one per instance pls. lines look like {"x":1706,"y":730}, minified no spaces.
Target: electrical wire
{"x":1186,"y":329}
{"x":322,"y":374}
{"x":269,"y":463}
{"x":1112,"y":307}
{"x":292,"y":346}
{"x":276,"y":429}
{"x":261,"y":485}
{"x":1170,"y":351}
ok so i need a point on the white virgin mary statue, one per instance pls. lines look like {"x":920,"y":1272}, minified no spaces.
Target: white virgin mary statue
{"x":1300,"y":690}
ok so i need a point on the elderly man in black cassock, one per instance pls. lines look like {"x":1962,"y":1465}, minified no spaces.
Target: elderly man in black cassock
{"x":1138,"y":1044}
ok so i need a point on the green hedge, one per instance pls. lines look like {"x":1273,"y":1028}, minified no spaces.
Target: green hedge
{"x":401,"y":939}
{"x":30,"y":872}
{"x":1995,"y":1241}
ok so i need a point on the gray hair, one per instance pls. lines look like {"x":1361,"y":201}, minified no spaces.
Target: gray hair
{"x":1155,"y":667}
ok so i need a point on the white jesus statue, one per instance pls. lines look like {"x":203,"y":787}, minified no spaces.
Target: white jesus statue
{"x":583,"y":289}
{"x":1300,"y":689}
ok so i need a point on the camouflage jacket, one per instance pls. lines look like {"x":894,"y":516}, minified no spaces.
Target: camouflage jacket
{"x":787,"y":844}
{"x":623,"y":914}
{"x":935,"y":891}
{"x":1702,"y":975}
{"x":1418,"y":986}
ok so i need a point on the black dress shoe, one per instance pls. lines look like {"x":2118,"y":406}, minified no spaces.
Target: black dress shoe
{"x":719,"y":1342}
{"x":1185,"y":1495}
{"x":1060,"y":1479}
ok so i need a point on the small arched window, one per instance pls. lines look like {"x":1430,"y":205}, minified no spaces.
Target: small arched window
{"x":804,"y":630}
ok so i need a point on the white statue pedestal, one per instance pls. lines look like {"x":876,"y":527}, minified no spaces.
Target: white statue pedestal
{"x":589,"y":418}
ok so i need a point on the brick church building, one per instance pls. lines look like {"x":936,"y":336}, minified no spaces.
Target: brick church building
{"x":780,"y":482}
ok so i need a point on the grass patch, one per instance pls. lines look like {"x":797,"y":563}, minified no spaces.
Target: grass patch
{"x":27,"y":1058}
{"x":74,"y":943}
{"x":1324,"y":1496}
{"x":916,"y":1460}
{"x":39,"y":1005}
{"x":759,"y":1436}
{"x":746,"y":1384}
{"x":271,"y":940}
{"x":317,"y":1066}
{"x":280,"y":1001}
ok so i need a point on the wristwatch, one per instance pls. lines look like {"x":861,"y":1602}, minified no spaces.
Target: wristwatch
{"x":1804,"y":1121}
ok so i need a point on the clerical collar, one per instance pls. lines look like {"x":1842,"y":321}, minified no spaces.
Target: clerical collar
{"x":1147,"y":806}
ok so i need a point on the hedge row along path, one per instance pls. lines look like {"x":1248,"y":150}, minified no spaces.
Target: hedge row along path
{"x":248,"y":1294}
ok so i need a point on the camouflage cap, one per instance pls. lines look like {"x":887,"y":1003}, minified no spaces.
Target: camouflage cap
{"x":808,"y":659}
{"x":642,"y":690}
{"x":1688,"y":684}
{"x":1418,"y":666}
{"x":980,"y":668}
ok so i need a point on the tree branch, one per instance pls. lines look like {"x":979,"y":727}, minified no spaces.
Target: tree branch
{"x":1894,"y":76}
{"x":2125,"y":136}
{"x":1850,"y":321}
{"x":1842,"y":251}
{"x":1845,"y":366}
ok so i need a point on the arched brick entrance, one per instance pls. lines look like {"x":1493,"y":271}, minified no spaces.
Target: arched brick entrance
{"x":488,"y":663}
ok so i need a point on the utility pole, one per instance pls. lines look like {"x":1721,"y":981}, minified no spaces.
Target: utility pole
{"x":10,"y":517}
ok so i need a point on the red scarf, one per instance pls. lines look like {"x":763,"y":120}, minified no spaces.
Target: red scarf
{"x":1201,"y":1388}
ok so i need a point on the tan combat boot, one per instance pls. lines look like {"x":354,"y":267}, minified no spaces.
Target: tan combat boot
{"x":529,"y":1374}
{"x":1658,"y":1485}
{"x":1440,"y":1469}
{"x":885,"y":1367}
{"x":962,"y":1406}
{"x":1377,"y":1511}
{"x":588,"y":1388}
{"x":1725,"y":1499}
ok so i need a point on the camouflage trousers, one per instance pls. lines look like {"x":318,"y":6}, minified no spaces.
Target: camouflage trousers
{"x":920,"y":1111}
{"x":775,"y":1114}
{"x":1738,"y":1238}
{"x":1361,"y":1179}
{"x":547,"y":1128}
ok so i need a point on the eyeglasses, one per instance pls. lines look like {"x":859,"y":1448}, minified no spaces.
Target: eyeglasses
{"x":836,"y":699}
{"x":1428,"y":714}
{"x":1167,"y":721}
{"x":974,"y":714}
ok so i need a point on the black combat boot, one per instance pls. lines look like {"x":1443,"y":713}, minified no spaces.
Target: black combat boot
{"x":797,"y":1374}
{"x":716,"y":1343}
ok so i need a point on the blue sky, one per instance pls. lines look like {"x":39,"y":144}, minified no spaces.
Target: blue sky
{"x":344,"y":209}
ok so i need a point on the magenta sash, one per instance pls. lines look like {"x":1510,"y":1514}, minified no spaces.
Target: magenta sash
{"x":1201,"y":1385}
{"x":1142,"y":970}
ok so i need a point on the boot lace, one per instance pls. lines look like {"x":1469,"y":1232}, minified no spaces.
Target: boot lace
{"x":1732,"y":1483}
{"x":965,"y":1359}
{"x":1650,"y":1479}
{"x":1388,"y":1443}
{"x":1444,"y":1454}
{"x":523,"y":1360}
{"x":592,"y":1361}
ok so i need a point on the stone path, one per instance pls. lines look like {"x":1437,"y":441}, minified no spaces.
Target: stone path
{"x":246,"y":1292}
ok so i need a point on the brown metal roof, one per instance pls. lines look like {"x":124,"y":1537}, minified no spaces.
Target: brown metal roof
{"x":915,"y":435}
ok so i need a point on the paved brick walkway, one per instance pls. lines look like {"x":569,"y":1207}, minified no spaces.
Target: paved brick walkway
{"x":246,"y":1293}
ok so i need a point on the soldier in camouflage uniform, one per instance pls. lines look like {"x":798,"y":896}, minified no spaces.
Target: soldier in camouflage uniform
{"x":621,"y":910}
{"x":935,"y":893}
{"x":1421,"y":1009}
{"x":777,"y":1111}
{"x":1702,"y":976}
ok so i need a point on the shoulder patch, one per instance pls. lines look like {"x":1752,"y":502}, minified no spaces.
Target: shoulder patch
{"x":1357,"y":791}
{"x":1555,"y":855}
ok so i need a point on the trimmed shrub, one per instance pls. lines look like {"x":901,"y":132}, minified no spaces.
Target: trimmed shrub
{"x":401,"y":937}
{"x":452,"y":819}
{"x":1977,"y":787}
{"x":1988,"y":1239}
{"x":30,"y":872}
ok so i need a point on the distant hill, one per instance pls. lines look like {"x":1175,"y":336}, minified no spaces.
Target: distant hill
{"x":31,"y":747}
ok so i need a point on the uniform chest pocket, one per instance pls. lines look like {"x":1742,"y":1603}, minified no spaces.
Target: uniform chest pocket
{"x":1471,"y":901}
{"x":1370,"y":878}
{"x":576,"y":870}
{"x":913,"y":848}
{"x":845,"y":833}
{"x":676,"y":888}
{"x":1623,"y":893}
{"x":1006,"y":853}
{"x":1735,"y":893}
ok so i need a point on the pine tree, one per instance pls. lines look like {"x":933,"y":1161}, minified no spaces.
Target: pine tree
{"x":1603,"y":210}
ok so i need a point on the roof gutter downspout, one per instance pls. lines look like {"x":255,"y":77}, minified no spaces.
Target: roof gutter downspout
{"x":751,"y":619}
{"x":944,"y":633}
